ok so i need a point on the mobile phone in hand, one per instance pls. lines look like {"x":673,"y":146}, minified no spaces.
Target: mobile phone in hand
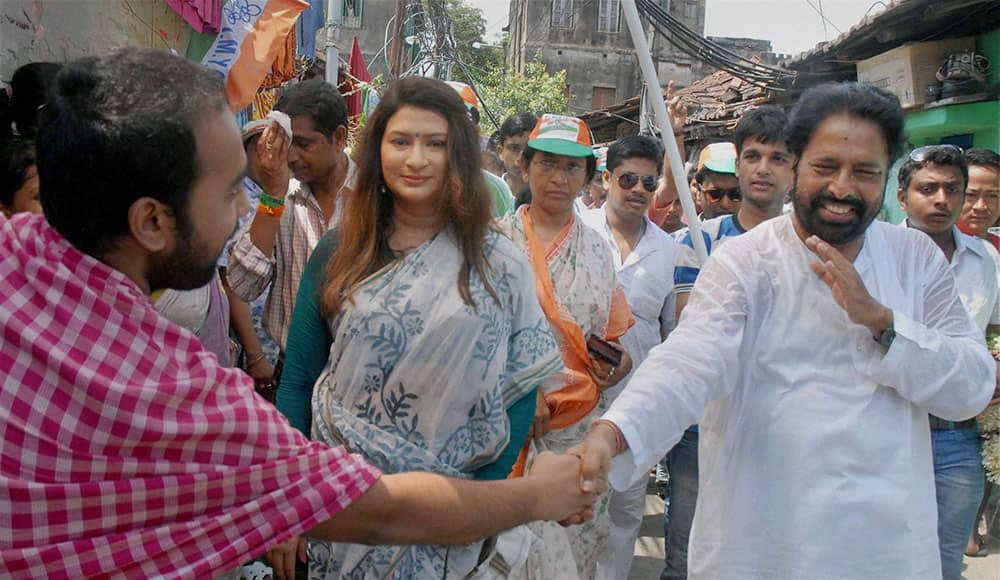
{"x":604,"y":350}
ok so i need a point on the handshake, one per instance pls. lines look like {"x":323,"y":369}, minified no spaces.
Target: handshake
{"x":429,"y":509}
{"x":571,"y":482}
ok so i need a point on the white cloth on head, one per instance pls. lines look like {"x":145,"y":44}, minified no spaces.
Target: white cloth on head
{"x":809,"y":429}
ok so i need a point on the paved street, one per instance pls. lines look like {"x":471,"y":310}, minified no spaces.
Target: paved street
{"x":649,"y":549}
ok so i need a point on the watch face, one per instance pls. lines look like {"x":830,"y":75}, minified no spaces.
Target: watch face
{"x":885,"y":339}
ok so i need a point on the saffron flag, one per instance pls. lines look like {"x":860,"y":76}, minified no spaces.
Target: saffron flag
{"x":252,"y":34}
{"x":359,"y":71}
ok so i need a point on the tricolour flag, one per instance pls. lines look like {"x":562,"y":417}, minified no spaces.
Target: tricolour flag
{"x":252,"y":33}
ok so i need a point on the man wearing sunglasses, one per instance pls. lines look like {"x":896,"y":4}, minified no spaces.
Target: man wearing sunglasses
{"x":717,"y":182}
{"x":932,"y":188}
{"x":644,"y":259}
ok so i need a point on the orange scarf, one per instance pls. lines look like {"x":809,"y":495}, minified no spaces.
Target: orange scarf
{"x":580,"y":394}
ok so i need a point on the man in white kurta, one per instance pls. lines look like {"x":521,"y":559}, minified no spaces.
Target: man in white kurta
{"x":815,"y":455}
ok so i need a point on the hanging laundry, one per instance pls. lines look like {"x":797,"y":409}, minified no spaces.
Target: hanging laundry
{"x":253,"y":33}
{"x":204,"y":16}
{"x":309,"y":23}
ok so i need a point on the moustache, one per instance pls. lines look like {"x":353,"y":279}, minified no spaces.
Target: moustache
{"x":825,"y":197}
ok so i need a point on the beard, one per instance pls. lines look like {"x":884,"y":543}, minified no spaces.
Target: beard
{"x":806,"y":208}
{"x":189,"y":266}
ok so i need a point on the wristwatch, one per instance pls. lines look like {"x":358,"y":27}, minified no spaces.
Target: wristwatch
{"x":886,"y":337}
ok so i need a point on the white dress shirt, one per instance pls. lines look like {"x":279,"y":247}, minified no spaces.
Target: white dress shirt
{"x":646,"y":276}
{"x":975,"y":272}
{"x":815,"y":456}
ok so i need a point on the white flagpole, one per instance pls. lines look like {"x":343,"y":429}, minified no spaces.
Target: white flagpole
{"x":663,"y":123}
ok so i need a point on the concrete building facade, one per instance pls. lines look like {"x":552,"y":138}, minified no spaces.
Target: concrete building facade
{"x":591,"y":41}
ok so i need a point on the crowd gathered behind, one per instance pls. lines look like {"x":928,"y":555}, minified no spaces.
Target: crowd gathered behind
{"x":450,"y":355}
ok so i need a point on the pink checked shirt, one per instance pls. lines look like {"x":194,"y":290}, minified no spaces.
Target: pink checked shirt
{"x":125,"y":448}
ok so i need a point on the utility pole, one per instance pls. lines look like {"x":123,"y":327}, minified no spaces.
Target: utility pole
{"x":333,"y":10}
{"x":398,"y":44}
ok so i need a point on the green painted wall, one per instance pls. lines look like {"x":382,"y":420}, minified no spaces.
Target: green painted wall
{"x":982,"y":120}
{"x":932,"y":126}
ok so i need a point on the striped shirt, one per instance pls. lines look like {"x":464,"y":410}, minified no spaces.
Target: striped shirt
{"x":715,"y":231}
{"x":302,"y":226}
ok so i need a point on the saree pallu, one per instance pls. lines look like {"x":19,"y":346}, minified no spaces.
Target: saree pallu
{"x":419,"y":380}
{"x":578,"y":290}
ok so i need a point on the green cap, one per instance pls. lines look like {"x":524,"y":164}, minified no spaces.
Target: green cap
{"x":561,"y":135}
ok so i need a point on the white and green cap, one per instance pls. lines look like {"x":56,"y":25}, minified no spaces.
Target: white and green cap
{"x":561,"y":135}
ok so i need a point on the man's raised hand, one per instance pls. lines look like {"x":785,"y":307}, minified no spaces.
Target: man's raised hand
{"x":848,"y":288}
{"x":272,"y":160}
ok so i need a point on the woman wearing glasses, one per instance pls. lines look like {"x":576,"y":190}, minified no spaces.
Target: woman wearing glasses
{"x":576,"y":286}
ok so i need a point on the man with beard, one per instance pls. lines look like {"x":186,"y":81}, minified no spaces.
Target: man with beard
{"x":293,"y":214}
{"x":127,"y":449}
{"x":810,"y":353}
{"x":932,"y":185}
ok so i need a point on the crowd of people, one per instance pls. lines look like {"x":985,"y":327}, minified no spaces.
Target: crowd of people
{"x":226,"y":343}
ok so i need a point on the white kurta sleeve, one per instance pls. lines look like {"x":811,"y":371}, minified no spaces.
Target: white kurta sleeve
{"x":698,"y":364}
{"x":940,"y":363}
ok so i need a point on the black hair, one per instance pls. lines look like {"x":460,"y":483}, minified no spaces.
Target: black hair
{"x":118,"y":128}
{"x":16,"y":157}
{"x":635,"y":146}
{"x":945,"y":156}
{"x":493,"y":142}
{"x":474,"y":113}
{"x":317,"y":100}
{"x":983,"y":158}
{"x":704,"y":174}
{"x":857,"y":100}
{"x":516,"y":125}
{"x":765,"y":124}
{"x":590,"y":160}
{"x":30,"y":87}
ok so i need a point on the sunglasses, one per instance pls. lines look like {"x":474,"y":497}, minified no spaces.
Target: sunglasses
{"x":628,"y":181}
{"x":717,"y":194}
{"x":919,"y":154}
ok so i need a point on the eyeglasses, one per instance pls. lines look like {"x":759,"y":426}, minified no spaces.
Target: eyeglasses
{"x":628,"y":181}
{"x":571,"y":168}
{"x":919,"y":154}
{"x":717,"y":194}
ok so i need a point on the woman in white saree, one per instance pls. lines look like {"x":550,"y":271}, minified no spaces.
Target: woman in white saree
{"x":417,"y":340}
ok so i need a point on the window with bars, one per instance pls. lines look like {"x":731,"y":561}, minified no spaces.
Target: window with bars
{"x":691,"y":11}
{"x":562,"y":14}
{"x":350,"y":17}
{"x":607,"y":15}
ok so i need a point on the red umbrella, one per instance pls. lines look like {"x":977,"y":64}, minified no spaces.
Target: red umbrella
{"x":358,"y":70}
